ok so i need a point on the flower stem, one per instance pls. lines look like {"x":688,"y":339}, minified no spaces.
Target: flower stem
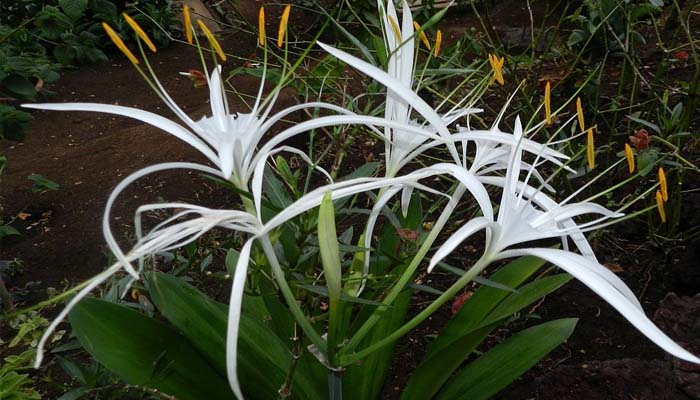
{"x":294,"y":308}
{"x":482,"y":263}
{"x":48,"y":302}
{"x":407,"y":274}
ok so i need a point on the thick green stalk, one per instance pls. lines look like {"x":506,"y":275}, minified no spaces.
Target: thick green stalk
{"x":294,"y":307}
{"x":407,"y":274}
{"x":278,"y":274}
{"x":483,"y":262}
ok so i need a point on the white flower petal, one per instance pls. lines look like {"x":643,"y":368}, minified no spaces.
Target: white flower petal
{"x":217,"y":99}
{"x":399,"y":89}
{"x":234,"y":318}
{"x":465,"y":231}
{"x":156,"y":120}
{"x":583,"y":270}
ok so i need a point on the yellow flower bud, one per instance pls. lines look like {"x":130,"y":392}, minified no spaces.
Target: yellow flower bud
{"x":119,"y":43}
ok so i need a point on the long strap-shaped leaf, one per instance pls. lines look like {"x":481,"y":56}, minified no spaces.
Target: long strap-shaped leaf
{"x":504,"y":363}
{"x":434,"y":371}
{"x":263,"y":358}
{"x":485,"y":300}
{"x":145,"y":352}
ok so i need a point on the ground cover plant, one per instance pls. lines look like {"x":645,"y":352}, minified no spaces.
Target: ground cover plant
{"x":314,"y":309}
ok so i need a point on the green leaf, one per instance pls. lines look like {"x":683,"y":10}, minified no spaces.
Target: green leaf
{"x":64,"y":54}
{"x":275,"y":190}
{"x":434,"y":371}
{"x":354,"y":40}
{"x":7,"y":230}
{"x":74,"y":9}
{"x":42,"y":183}
{"x":646,"y":123}
{"x":366,"y":380}
{"x":365,"y":170}
{"x":18,"y":86}
{"x":646,"y":160}
{"x":145,"y":352}
{"x":263,"y":359}
{"x":504,"y":363}
{"x":484,"y":300}
{"x":104,"y":9}
{"x":527,"y":294}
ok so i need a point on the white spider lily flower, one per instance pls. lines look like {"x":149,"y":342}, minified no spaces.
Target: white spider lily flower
{"x":175,"y":232}
{"x":187,"y":224}
{"x":402,"y":141}
{"x":524,"y":215}
{"x":228,"y":140}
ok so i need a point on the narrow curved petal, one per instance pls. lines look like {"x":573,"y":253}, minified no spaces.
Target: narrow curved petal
{"x":581,"y":268}
{"x":399,"y":89}
{"x":217,"y":99}
{"x":569,"y":211}
{"x":465,"y":231}
{"x":234,"y":318}
{"x":406,"y":199}
{"x":408,"y":47}
{"x":107,"y":230}
{"x":156,"y":120}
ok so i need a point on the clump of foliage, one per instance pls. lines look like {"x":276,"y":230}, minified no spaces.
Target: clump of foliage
{"x":39,"y":38}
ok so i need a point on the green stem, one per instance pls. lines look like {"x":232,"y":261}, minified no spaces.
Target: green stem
{"x":483,"y":262}
{"x":48,"y":302}
{"x":286,"y":389}
{"x":407,"y":274}
{"x":294,"y":307}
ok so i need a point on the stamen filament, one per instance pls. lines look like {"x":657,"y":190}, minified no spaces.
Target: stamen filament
{"x":395,"y":27}
{"x":422,"y":35}
{"x":548,"y":103}
{"x":579,"y":112}
{"x":438,"y":43}
{"x":590,"y":149}
{"x":662,"y":184}
{"x":660,"y":205}
{"x":212,"y":40}
{"x":188,"y":23}
{"x":139,"y":32}
{"x":283,"y":25}
{"x":630,"y":157}
{"x":119,"y":43}
{"x":261,"y":26}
